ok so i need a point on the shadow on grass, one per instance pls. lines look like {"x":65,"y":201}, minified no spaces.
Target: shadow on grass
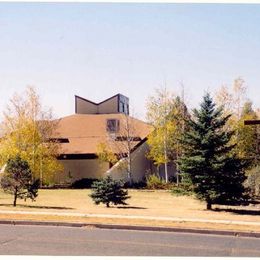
{"x":240,"y":211}
{"x":34,"y":207}
{"x":255,"y":202}
{"x":129,"y":207}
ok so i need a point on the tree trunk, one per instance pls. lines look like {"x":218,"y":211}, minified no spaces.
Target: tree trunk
{"x":166,"y":172}
{"x":107,"y":204}
{"x":177,"y":166}
{"x":41,"y":177}
{"x":129,"y":168}
{"x":177,"y":179}
{"x":15,"y":197}
{"x":177,"y":174}
{"x":209,"y":205}
{"x":165,"y":158}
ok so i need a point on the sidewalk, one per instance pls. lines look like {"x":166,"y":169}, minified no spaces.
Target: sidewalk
{"x":173,"y":219}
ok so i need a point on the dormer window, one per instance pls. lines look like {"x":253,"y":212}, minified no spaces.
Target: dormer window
{"x":112,"y":125}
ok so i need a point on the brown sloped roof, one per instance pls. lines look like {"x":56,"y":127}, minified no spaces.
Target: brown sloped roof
{"x":86,"y":131}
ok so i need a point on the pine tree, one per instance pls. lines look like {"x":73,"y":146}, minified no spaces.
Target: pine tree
{"x":17,"y":180}
{"x":216,"y":173}
{"x":108,"y":191}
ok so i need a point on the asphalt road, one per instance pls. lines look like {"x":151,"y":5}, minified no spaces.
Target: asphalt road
{"x":43,"y":240}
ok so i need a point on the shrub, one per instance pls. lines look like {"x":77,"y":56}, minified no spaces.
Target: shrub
{"x":108,"y":191}
{"x":154,"y":182}
{"x":84,"y":183}
{"x":135,"y":185}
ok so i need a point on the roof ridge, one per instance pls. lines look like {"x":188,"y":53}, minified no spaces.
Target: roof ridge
{"x":76,"y":96}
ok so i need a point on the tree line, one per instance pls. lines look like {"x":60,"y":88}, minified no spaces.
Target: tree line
{"x":214,"y":154}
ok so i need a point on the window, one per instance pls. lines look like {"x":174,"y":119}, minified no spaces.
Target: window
{"x":121,"y":107}
{"x":130,"y":138}
{"x":59,"y":140}
{"x":127,"y":109}
{"x":112,"y":125}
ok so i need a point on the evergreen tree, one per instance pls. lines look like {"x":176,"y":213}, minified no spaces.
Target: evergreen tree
{"x":216,"y":173}
{"x":108,"y":191}
{"x":17,"y":180}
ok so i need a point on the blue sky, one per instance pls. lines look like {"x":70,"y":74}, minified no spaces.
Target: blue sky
{"x":97,"y":50}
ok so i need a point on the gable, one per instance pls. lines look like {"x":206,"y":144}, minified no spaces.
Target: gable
{"x":115,"y":104}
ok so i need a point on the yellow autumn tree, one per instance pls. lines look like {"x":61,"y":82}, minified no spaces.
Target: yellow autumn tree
{"x":105,"y":154}
{"x":26,"y":131}
{"x":235,"y":102}
{"x":167,"y":113}
{"x":246,"y":138}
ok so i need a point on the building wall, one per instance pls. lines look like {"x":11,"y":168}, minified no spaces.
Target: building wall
{"x":108,"y":107}
{"x":85,"y":107}
{"x":95,"y":169}
{"x":161,"y":171}
{"x":140,"y":165}
{"x":78,"y":169}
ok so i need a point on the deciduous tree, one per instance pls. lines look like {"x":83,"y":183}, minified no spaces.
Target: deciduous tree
{"x":167,"y":114}
{"x":26,"y":131}
{"x":247,"y":136}
{"x":160,"y":140}
{"x":234,"y":102}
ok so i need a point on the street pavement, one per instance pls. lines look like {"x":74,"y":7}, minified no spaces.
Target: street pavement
{"x":85,"y":241}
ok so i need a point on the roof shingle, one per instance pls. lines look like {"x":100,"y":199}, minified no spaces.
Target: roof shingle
{"x":86,"y":131}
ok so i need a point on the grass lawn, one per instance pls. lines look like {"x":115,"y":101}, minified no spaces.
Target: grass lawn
{"x":142,"y":202}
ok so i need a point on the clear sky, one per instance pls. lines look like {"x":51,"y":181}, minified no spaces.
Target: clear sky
{"x":98,"y":50}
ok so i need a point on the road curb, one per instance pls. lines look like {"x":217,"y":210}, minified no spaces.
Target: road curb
{"x":133,"y":227}
{"x":41,"y":223}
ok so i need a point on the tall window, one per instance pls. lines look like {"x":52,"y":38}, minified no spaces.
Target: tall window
{"x":112,"y":125}
{"x":123,"y":104}
{"x":121,"y":107}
